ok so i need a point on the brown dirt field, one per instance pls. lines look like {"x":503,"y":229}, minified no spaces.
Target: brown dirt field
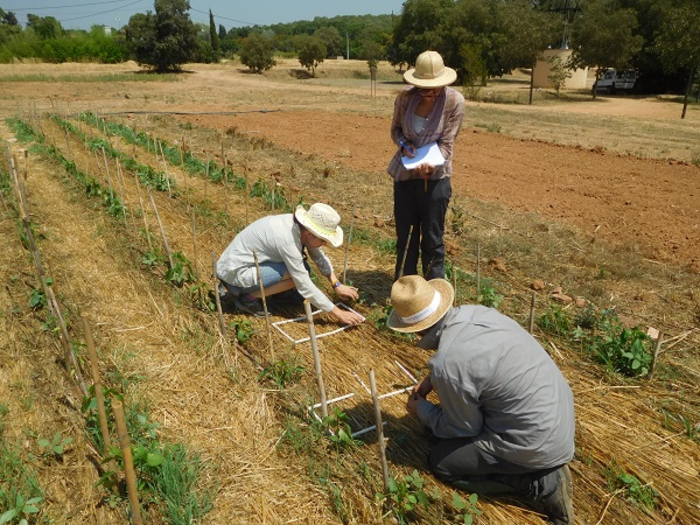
{"x":326,"y":139}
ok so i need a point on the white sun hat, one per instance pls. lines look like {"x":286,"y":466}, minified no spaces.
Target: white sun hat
{"x":430,"y":72}
{"x":322,"y":221}
{"x":418,"y":304}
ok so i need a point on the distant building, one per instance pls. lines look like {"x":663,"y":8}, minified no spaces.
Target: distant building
{"x":543,"y":69}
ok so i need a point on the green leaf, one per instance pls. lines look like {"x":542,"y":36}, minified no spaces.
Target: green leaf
{"x":473,"y":498}
{"x":458,"y":502}
{"x":30,"y":509}
{"x":8,"y":516}
{"x":34,"y":501}
{"x":153,"y":460}
{"x":43,"y":443}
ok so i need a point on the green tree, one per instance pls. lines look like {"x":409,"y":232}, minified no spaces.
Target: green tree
{"x":163,"y":41}
{"x":8,"y":18}
{"x":311,"y":51}
{"x":213,"y":35}
{"x":678,"y":44}
{"x":45,"y":27}
{"x":257,"y":53}
{"x":605,"y":36}
{"x":421,"y":27}
{"x":330,"y":36}
{"x":558,"y":73}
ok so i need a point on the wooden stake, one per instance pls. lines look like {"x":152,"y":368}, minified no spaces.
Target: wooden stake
{"x":317,"y":359}
{"x":162,"y":231}
{"x":99,"y":394}
{"x":121,"y":191}
{"x":264,"y":301}
{"x":125,"y":445}
{"x":405,"y":251}
{"x":109,"y":179}
{"x":143,"y":214}
{"x":654,"y":358}
{"x":165,"y":166}
{"x":532,"y":311}
{"x":380,"y":431}
{"x":478,"y":271}
{"x":272,"y":193}
{"x":194,"y":241}
{"x":347,"y":246}
{"x":65,"y":132}
{"x":206,"y":177}
{"x":454,"y":284}
{"x":219,"y":311}
{"x":247,"y":190}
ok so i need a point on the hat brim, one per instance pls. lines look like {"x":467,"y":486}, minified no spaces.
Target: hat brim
{"x":447,"y":77}
{"x":335,"y":238}
{"x":447,"y":296}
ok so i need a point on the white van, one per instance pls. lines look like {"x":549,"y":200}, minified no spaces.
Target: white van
{"x":612,"y":80}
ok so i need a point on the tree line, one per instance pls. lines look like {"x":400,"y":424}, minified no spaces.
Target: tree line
{"x":481,"y":39}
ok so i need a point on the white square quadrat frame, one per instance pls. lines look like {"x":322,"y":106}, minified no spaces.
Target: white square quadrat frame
{"x":278,"y":325}
{"x":312,"y":409}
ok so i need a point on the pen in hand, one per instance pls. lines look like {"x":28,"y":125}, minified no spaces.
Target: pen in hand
{"x":406,"y":147}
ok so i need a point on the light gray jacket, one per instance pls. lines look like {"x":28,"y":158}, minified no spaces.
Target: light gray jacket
{"x":274,"y":238}
{"x":497,"y":384}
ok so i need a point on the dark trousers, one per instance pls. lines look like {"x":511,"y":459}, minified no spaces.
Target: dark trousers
{"x":425,"y":210}
{"x":463,"y":464}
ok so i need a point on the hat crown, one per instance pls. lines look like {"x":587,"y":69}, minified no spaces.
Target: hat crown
{"x":411,"y":294}
{"x":429,"y":65}
{"x":323,"y":216}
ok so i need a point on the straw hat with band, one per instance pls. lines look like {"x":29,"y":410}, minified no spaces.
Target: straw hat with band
{"x":322,"y":221}
{"x":430,"y":72}
{"x":418,"y":304}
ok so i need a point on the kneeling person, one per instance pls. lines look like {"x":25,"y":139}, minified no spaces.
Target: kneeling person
{"x":280,"y":242}
{"x":505,"y":422}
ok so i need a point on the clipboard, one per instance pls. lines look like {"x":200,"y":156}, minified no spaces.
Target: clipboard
{"x":428,"y":154}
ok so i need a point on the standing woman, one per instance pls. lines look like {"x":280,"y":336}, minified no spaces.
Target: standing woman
{"x":428,"y":112}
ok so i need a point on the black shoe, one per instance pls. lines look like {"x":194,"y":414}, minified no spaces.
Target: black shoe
{"x":252,"y":307}
{"x":557,"y":501}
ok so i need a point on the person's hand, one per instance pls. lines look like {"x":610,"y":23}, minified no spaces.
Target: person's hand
{"x":347,"y":292}
{"x":425,"y":169}
{"x":347,"y":317}
{"x":412,"y":403}
{"x":424,"y":387}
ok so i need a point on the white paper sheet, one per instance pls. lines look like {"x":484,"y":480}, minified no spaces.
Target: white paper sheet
{"x":428,"y":154}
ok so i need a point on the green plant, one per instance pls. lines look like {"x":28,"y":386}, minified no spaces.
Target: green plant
{"x":555,"y":321}
{"x":21,"y":511}
{"x":243,"y":330}
{"x":642,"y":494}
{"x":339,"y":431}
{"x":37,"y":299}
{"x":283,"y":373}
{"x":404,"y":494}
{"x":466,"y":509}
{"x":181,"y":270}
{"x":488,"y":296}
{"x":56,"y":446}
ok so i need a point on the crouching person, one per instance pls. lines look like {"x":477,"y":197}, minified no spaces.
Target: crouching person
{"x":505,"y":421}
{"x":281,"y":243}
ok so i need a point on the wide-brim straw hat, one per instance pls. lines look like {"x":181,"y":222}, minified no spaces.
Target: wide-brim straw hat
{"x":322,"y":221}
{"x":418,"y":304}
{"x":430,"y":72}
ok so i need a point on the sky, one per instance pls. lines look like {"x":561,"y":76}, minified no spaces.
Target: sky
{"x":82,"y":14}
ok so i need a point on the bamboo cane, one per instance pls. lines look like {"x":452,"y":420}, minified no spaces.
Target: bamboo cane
{"x":264,"y":301}
{"x":405,"y":251}
{"x":347,"y":246}
{"x":478,"y":270}
{"x":121,"y":191}
{"x":143,"y":214}
{"x":317,"y":359}
{"x":165,"y":168}
{"x":125,"y":445}
{"x":654,"y":358}
{"x":99,"y":394}
{"x":219,"y":311}
{"x":194,"y":241}
{"x":380,"y":431}
{"x":532,"y":311}
{"x":109,"y":178}
{"x":162,"y":231}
